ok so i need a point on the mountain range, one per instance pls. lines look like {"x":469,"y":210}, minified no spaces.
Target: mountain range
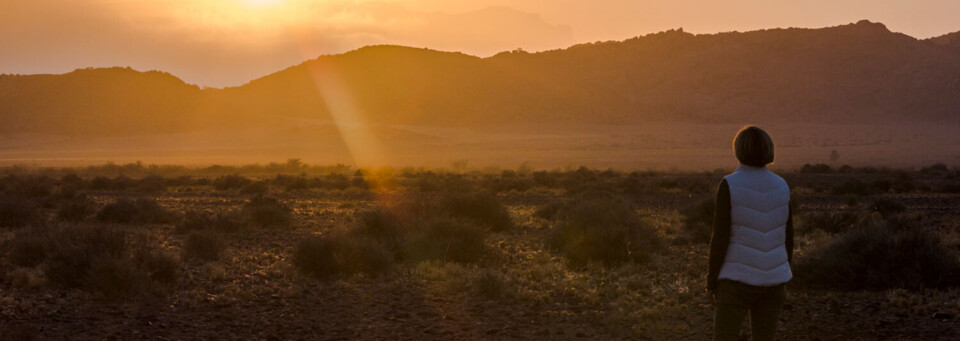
{"x":848,"y":74}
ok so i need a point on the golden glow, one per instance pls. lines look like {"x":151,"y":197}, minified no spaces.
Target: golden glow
{"x":348,"y":117}
{"x":262,"y":2}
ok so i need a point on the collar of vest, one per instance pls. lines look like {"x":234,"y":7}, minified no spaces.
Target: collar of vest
{"x":743,"y":167}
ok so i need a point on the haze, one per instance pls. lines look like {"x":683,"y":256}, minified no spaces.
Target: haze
{"x":230,"y":42}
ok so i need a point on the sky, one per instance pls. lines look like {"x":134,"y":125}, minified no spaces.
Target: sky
{"x":221,"y":43}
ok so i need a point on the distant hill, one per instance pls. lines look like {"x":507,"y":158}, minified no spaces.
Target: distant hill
{"x":947,"y":39}
{"x":853,"y":73}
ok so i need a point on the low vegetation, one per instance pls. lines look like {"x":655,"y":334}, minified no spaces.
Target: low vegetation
{"x":110,"y":261}
{"x":698,"y":221}
{"x":624,"y":251}
{"x":443,"y":227}
{"x":601,"y":228}
{"x":139,"y":211}
{"x":892,"y":254}
{"x":267,"y":212}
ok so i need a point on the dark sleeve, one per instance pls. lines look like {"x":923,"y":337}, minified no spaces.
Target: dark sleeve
{"x":789,"y":241}
{"x":720,"y":240}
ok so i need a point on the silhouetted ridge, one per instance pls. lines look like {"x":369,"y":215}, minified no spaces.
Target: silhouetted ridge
{"x":949,"y":39}
{"x":851,"y":73}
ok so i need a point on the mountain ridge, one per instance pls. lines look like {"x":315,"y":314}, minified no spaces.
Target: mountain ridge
{"x":846,"y":73}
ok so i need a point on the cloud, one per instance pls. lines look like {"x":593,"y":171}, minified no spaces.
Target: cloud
{"x":229,"y":42}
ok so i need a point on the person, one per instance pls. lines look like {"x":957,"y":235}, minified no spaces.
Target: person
{"x":752,"y":243}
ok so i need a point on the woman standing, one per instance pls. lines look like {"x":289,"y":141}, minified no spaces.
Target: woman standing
{"x":752,"y":243}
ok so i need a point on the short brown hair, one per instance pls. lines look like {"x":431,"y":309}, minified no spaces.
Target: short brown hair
{"x":753,"y":147}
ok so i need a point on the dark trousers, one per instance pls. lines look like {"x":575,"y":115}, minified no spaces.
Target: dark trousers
{"x":735,"y":300}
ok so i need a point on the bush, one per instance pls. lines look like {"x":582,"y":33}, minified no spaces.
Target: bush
{"x":445,"y":239}
{"x":203,"y":246}
{"x":228,"y":182}
{"x":225,"y":222}
{"x":887,"y":207}
{"x":258,"y":188}
{"x":549,"y":211}
{"x":29,"y":247}
{"x":141,"y":211}
{"x":698,"y":221}
{"x":489,"y":284}
{"x":298,"y":184}
{"x":384,"y":224}
{"x":902,"y":183}
{"x":21,"y":332}
{"x":484,"y":208}
{"x":819,"y":168}
{"x":152,"y":184}
{"x":267,"y":212}
{"x":829,"y":221}
{"x":883,"y":257}
{"x":341,"y":253}
{"x":604,"y":229}
{"x":411,"y":229}
{"x":106,"y":260}
{"x":18,"y":211}
{"x":76,"y":209}
{"x":854,"y":187}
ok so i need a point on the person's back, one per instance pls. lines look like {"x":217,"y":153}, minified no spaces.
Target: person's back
{"x":752,"y":241}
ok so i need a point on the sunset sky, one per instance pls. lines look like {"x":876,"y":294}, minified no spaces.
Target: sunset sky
{"x":229,"y":42}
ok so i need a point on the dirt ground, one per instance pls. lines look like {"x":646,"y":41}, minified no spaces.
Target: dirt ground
{"x":256,"y":294}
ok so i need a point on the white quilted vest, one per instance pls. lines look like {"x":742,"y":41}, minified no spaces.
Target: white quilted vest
{"x":760,"y":208}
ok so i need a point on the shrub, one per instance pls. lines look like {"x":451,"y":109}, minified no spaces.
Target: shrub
{"x":882,"y":257}
{"x":257,"y":187}
{"x":887,"y":207}
{"x":341,"y":253}
{"x":549,"y":211}
{"x":225,"y":222}
{"x":106,"y":260}
{"x":698,"y":221}
{"x":829,"y":221}
{"x":100,"y":183}
{"x":29,"y":247}
{"x":30,"y":187}
{"x":298,"y":184}
{"x":194,"y":221}
{"x":489,"y":284}
{"x":411,"y":229}
{"x":152,"y":184}
{"x":384,"y":224}
{"x":17,"y":211}
{"x":103,"y":183}
{"x":203,"y":246}
{"x":855,"y":187}
{"x":543,"y":178}
{"x":76,"y":209}
{"x":15,"y":331}
{"x":141,"y":211}
{"x":604,"y":229}
{"x":949,"y":187}
{"x":267,"y":212}
{"x":902,"y":183}
{"x":160,"y":266}
{"x":228,"y":182}
{"x":484,"y":208}
{"x":445,"y":239}
{"x":819,"y":168}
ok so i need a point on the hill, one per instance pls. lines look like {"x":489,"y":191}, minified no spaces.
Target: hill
{"x":859,"y":80}
{"x":848,"y":73}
